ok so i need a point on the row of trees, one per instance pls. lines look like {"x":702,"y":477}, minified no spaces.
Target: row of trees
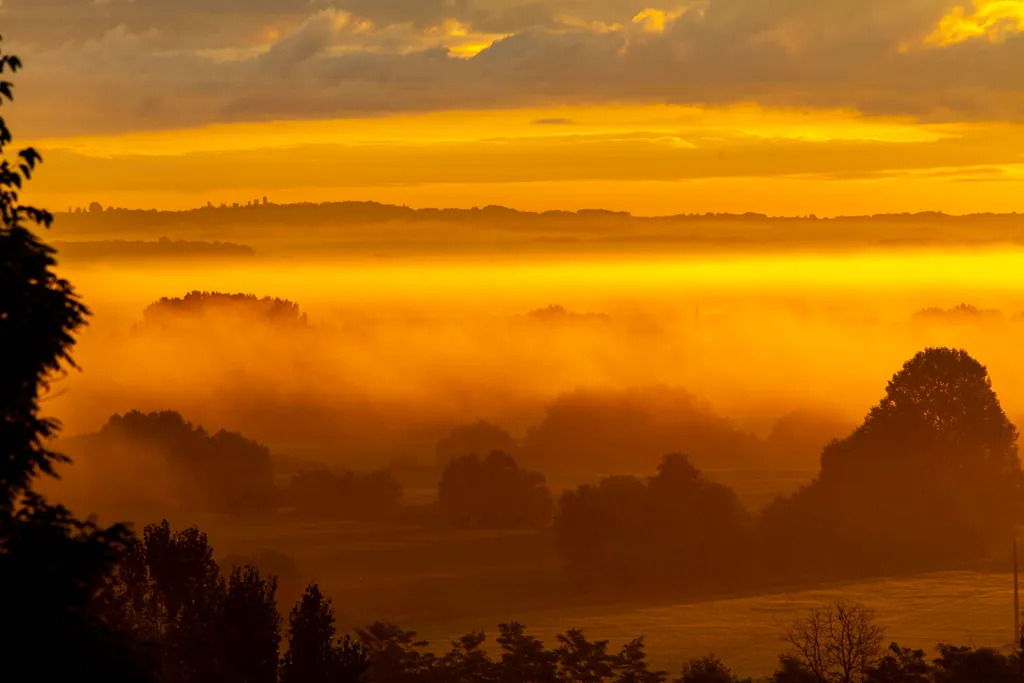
{"x":197,"y":625}
{"x":930,"y":480}
{"x":141,"y":461}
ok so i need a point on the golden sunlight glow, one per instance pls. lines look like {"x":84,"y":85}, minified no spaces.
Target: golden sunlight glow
{"x":992,"y":20}
{"x":659,"y":120}
{"x":655,"y":20}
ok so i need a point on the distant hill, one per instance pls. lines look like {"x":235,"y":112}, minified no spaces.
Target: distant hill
{"x":383,"y":228}
{"x":163,"y":248}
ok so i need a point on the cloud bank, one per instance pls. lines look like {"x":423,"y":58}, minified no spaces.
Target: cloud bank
{"x":109,"y":66}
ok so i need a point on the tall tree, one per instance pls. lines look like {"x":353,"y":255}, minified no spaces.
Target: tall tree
{"x":55,"y":568}
{"x":251,"y":627}
{"x":311,"y":656}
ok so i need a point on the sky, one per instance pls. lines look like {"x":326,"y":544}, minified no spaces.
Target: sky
{"x":777,"y":106}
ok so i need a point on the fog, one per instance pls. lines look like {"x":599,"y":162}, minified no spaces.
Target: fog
{"x":398,"y":351}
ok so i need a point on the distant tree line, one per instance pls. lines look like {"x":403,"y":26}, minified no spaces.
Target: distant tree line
{"x":162,"y":248}
{"x":200,"y":305}
{"x":179,"y":466}
{"x":930,"y":480}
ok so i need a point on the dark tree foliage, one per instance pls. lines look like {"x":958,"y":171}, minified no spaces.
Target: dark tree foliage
{"x":478,"y":438}
{"x":468,"y":661}
{"x":792,"y":670}
{"x":523,"y":657}
{"x":493,"y":492}
{"x":937,"y":458}
{"x":976,"y":665}
{"x":900,"y":665}
{"x":698,"y":528}
{"x":708,"y":669}
{"x":54,"y":568}
{"x":205,"y":629}
{"x":39,"y":316}
{"x":633,"y":666}
{"x":351,"y":496}
{"x":198,"y":305}
{"x":202,"y":472}
{"x":593,"y":431}
{"x":251,"y":629}
{"x":395,"y":655}
{"x":313,"y":655}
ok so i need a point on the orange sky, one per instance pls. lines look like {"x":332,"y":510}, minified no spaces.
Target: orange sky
{"x":776,"y":106}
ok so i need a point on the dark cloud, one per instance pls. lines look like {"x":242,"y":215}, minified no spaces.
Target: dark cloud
{"x":154,"y":64}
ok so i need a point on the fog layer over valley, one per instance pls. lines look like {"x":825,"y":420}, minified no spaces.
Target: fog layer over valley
{"x":393,"y":354}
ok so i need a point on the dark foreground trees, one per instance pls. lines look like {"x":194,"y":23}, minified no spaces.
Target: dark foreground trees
{"x":54,"y":568}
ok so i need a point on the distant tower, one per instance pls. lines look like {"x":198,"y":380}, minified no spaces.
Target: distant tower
{"x":264,"y":201}
{"x":696,"y":315}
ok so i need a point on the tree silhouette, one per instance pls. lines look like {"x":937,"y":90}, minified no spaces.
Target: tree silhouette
{"x":493,"y":492}
{"x":313,"y":656}
{"x":478,"y":438}
{"x":698,"y":527}
{"x":900,"y":665}
{"x":523,"y":657}
{"x":251,"y":627}
{"x":172,"y":590}
{"x":395,"y":655}
{"x":322,"y":494}
{"x":839,"y":643}
{"x":632,"y":665}
{"x":708,"y":669}
{"x":937,"y":455}
{"x":55,"y":568}
{"x":582,"y":660}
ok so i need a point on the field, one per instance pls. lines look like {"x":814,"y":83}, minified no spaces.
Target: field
{"x":961,"y":608}
{"x":445,"y":583}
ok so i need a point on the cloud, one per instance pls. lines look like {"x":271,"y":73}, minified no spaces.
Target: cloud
{"x":140,"y":64}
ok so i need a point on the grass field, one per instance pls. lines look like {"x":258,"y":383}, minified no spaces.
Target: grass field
{"x":959,"y":607}
{"x":446,"y":583}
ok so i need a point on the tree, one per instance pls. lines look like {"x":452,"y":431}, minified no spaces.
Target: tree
{"x":186,"y":467}
{"x":632,"y":667}
{"x":936,"y":458}
{"x":583,"y":661}
{"x":523,"y":657}
{"x":900,"y":665}
{"x":354,"y":496}
{"x":56,"y":569}
{"x":312,"y":655}
{"x":975,"y":665}
{"x":395,"y":656}
{"x":172,"y":590}
{"x":697,"y":526}
{"x":468,"y":662}
{"x":251,"y":627}
{"x":708,"y":669}
{"x":792,"y":670}
{"x":493,"y":492}
{"x":478,"y":438}
{"x":839,"y":643}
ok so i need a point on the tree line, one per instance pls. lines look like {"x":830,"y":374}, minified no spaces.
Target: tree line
{"x":198,"y":624}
